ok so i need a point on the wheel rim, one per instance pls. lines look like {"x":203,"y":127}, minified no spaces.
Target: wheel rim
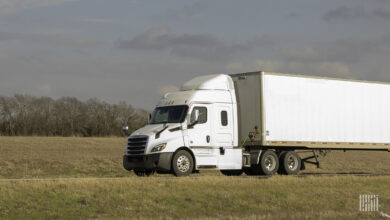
{"x":183,"y":163}
{"x":292,"y":162}
{"x":270,"y":163}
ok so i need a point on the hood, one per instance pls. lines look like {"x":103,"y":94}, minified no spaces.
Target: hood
{"x":151,"y":129}
{"x":166,"y":136}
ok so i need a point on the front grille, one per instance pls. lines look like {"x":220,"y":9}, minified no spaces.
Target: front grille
{"x":136,"y":145}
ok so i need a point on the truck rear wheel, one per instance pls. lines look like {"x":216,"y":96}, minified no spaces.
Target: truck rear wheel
{"x":232,"y":172}
{"x":290,"y":163}
{"x":269,"y":162}
{"x":182,"y":163}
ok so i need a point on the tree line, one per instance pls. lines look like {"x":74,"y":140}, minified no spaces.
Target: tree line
{"x":24,"y":115}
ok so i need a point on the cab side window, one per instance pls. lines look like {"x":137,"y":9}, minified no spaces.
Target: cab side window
{"x":224,"y":118}
{"x":202,"y":115}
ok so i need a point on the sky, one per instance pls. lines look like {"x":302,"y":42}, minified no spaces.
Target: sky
{"x":137,"y":50}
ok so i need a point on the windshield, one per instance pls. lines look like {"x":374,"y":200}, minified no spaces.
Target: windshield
{"x":169,"y":114}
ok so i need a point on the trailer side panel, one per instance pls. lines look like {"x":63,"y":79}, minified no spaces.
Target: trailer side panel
{"x":326,"y":112}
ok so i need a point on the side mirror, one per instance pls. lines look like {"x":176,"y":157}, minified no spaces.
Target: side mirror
{"x":150,"y":117}
{"x":194,"y":120}
{"x":125,"y":129}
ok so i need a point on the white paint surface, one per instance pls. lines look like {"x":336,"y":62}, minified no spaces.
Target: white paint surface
{"x":209,"y":82}
{"x":326,"y":110}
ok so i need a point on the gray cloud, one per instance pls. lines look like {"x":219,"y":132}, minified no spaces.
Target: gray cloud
{"x":12,"y":6}
{"x":49,"y":39}
{"x":38,"y":54}
{"x":350,"y":50}
{"x":99,"y":20}
{"x":200,"y":46}
{"x":350,"y":13}
{"x":111,"y":79}
{"x":355,"y":57}
{"x":193,"y":10}
{"x":164,"y":38}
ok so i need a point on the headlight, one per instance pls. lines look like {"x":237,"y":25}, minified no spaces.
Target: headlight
{"x":159,"y":147}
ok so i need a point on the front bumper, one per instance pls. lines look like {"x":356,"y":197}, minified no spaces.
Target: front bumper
{"x":159,"y":162}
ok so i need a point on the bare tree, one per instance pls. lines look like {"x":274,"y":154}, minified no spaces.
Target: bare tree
{"x":68,"y":116}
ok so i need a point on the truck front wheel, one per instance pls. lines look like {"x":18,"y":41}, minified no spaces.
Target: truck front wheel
{"x":291,"y":163}
{"x":182,"y":163}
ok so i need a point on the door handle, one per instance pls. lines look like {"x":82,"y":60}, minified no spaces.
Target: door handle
{"x":208,"y":138}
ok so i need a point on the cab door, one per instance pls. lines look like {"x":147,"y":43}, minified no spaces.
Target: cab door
{"x":199,"y":136}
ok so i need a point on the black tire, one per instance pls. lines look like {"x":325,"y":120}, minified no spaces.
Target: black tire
{"x":269,"y":163}
{"x":290,"y":163}
{"x":232,"y":172}
{"x":182,"y":163}
{"x":143,"y":172}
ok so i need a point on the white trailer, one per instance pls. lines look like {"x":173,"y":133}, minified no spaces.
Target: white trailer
{"x":255,"y":122}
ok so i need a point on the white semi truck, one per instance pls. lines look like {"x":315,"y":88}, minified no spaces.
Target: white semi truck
{"x":255,"y":123}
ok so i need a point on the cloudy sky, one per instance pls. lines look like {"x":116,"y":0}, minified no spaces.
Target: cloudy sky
{"x":136,"y":50}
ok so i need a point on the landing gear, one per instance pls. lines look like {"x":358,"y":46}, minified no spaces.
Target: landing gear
{"x":318,"y":156}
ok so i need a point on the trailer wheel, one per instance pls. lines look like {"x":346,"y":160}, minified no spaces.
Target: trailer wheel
{"x":232,"y":172}
{"x":143,"y":172}
{"x":182,"y":163}
{"x":269,"y":162}
{"x":291,"y":163}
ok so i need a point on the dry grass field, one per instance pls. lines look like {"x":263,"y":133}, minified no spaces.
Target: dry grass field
{"x":206,"y":195}
{"x":49,"y":157}
{"x":200,"y":197}
{"x":42,"y":157}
